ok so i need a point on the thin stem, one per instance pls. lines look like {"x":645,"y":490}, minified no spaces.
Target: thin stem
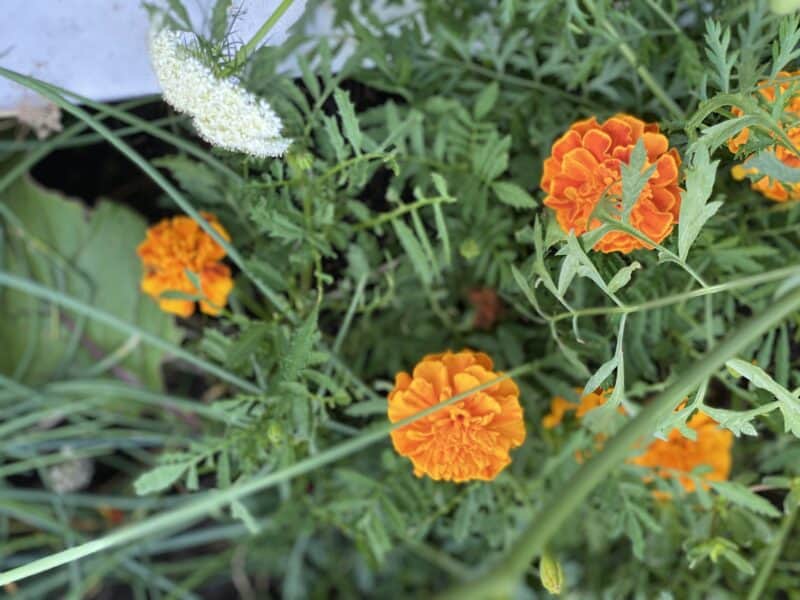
{"x":774,"y":551}
{"x":202,"y":504}
{"x":545,"y":524}
{"x":241,"y":55}
{"x":401,"y":210}
{"x":641,"y":70}
{"x":744,"y":282}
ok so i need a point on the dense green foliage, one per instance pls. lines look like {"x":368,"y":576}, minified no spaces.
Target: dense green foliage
{"x":413,"y":181}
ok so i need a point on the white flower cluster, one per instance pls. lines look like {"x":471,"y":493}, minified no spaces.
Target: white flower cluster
{"x":224,"y":113}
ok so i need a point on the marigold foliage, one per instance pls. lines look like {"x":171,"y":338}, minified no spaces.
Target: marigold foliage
{"x":470,"y":439}
{"x":584,"y":167}
{"x":771,"y":188}
{"x":177,"y":249}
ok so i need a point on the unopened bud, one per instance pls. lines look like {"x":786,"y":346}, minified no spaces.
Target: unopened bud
{"x":551,"y":574}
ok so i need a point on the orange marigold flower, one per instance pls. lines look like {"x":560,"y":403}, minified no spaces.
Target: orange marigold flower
{"x":678,"y":454}
{"x":468,"y":440}
{"x":559,"y":406}
{"x":771,"y":188}
{"x":584,"y":165}
{"x":177,"y":245}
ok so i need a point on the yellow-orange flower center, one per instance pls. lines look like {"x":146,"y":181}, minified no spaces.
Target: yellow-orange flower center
{"x":585,"y":165}
{"x":468,"y":440}
{"x":175,"y":247}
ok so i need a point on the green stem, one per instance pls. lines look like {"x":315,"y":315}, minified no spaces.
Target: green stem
{"x":401,"y":210}
{"x":555,"y":514}
{"x":743,"y":282}
{"x":241,"y":56}
{"x":202,"y":504}
{"x":774,"y":551}
{"x":641,"y":70}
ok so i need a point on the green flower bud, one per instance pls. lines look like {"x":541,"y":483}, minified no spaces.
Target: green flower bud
{"x":551,"y":574}
{"x":275,"y":432}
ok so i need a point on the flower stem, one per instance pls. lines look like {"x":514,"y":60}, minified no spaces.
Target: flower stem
{"x":241,"y":55}
{"x":504,"y":576}
{"x":756,"y":591}
{"x":641,"y":70}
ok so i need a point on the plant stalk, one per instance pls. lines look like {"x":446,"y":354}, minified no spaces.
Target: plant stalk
{"x":504,"y":576}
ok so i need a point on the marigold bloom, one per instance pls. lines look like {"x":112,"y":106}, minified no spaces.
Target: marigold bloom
{"x":468,"y":440}
{"x":678,"y":454}
{"x":771,"y":188}
{"x":668,"y":458}
{"x":177,"y":245}
{"x":559,"y":406}
{"x":584,"y":165}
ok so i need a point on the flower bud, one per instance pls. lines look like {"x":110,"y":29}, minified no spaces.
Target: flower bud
{"x":551,"y":574}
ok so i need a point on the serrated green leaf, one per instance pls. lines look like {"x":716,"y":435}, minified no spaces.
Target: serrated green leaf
{"x":738,"y":494}
{"x":513,"y":195}
{"x":486,"y":100}
{"x":300,"y":346}
{"x":347,"y":113}
{"x":695,"y":210}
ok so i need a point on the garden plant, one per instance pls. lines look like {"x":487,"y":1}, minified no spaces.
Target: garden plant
{"x":463,"y":299}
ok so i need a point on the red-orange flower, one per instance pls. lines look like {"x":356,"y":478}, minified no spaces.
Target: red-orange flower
{"x":470,"y":439}
{"x":771,"y":188}
{"x":584,"y":165}
{"x":678,"y":454}
{"x":177,"y":245}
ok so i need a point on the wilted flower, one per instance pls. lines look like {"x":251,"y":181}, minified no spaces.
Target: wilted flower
{"x":584,"y":166}
{"x":771,"y":188}
{"x":468,"y":440}
{"x":223,"y":112}
{"x":177,"y":247}
{"x":487,"y":305}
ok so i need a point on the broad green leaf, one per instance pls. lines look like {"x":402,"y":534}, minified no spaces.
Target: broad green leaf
{"x":89,"y":255}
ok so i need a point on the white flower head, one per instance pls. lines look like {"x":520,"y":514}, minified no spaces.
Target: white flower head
{"x":222,"y":111}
